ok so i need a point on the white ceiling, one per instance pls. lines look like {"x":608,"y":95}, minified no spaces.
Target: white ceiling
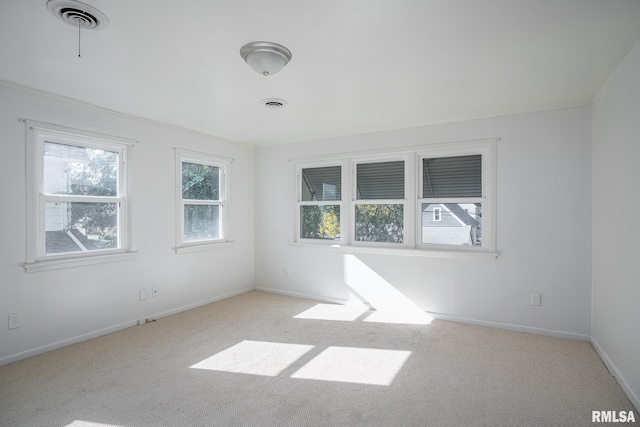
{"x":358,"y":65}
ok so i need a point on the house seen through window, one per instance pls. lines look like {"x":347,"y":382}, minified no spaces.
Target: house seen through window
{"x":78,"y":197}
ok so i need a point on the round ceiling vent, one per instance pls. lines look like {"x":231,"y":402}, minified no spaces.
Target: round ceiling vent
{"x":274,"y":103}
{"x":78,"y":14}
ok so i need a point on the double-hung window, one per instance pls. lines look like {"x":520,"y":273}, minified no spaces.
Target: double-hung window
{"x":379,"y":201}
{"x":455,"y":201}
{"x":202,"y":199}
{"x":434,"y":197}
{"x":319,"y":202}
{"x":78,"y":202}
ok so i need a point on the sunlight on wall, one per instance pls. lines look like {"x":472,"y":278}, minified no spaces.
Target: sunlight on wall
{"x":82,"y":423}
{"x":345,"y":313}
{"x":390,"y":304}
{"x":255,"y":357}
{"x":355,"y":365}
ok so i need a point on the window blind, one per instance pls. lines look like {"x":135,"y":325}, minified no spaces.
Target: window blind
{"x":384,"y":180}
{"x":459,"y":176}
{"x":322,"y":184}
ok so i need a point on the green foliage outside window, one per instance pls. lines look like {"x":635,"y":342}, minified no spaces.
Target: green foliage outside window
{"x":320,"y":222}
{"x":98,"y":176}
{"x":380,"y":223}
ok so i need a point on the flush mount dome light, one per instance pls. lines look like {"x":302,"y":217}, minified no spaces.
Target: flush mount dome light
{"x":78,"y":14}
{"x":265,"y":58}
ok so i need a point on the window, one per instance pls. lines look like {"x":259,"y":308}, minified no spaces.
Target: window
{"x":452,"y":191}
{"x":439,"y":196}
{"x":78,"y":202}
{"x":202,"y":202}
{"x":319,"y":202}
{"x":379,"y":202}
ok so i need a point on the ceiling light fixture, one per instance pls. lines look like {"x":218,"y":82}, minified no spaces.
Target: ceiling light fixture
{"x":265,"y":58}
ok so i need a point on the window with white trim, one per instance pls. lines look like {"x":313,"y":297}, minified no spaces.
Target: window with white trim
{"x":319,"y":202}
{"x":439,"y":196}
{"x":201,"y":199}
{"x":78,"y":201}
{"x":379,"y":202}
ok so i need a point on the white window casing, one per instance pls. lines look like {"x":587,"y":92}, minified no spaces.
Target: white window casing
{"x":465,"y":170}
{"x":50,"y":197}
{"x":216,"y":235}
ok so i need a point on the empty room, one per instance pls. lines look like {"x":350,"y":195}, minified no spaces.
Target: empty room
{"x":336,"y":213}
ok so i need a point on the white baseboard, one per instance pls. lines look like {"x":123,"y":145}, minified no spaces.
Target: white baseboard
{"x":199,"y":304}
{"x":95,"y":334}
{"x":301,"y":295}
{"x":447,"y":317}
{"x":512,"y":327}
{"x":633,"y":396}
{"x":63,"y":343}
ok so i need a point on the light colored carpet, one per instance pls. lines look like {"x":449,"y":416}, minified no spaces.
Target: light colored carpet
{"x":249,"y":360}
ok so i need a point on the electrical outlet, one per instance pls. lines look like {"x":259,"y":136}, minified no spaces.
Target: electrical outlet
{"x":535,"y":299}
{"x":285,"y":273}
{"x":14,"y":321}
{"x":143,"y":293}
{"x":154,"y":291}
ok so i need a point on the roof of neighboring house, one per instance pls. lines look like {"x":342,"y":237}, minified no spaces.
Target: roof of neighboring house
{"x":456,"y":211}
{"x":58,"y":242}
{"x":461,"y":213}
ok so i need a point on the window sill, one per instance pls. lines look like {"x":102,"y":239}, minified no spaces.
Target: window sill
{"x":199,"y":247}
{"x":435,"y":253}
{"x":61,"y":263}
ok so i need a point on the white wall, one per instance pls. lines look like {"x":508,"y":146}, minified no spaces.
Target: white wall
{"x":62,"y":306}
{"x":544,"y":226}
{"x":616,"y":233}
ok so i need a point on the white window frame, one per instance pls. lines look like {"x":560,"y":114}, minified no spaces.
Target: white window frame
{"x":487,"y":150}
{"x":344,"y":222}
{"x":412,"y":156}
{"x":406,"y":202}
{"x":37,"y":133}
{"x":224,"y":163}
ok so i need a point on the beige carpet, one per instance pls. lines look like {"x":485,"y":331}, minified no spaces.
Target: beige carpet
{"x":249,"y":360}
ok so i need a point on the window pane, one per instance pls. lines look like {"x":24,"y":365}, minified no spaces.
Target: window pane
{"x":459,"y":176}
{"x":322,"y":184}
{"x":80,"y":227}
{"x":320,"y":222}
{"x":79,"y":170}
{"x":200,"y":182}
{"x":380,"y":223}
{"x":459,"y":224}
{"x":201,"y":222}
{"x":376,"y":181}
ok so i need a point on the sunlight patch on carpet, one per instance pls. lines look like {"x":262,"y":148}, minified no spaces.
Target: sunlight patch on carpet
{"x":255,"y":358}
{"x":345,"y":313}
{"x":355,"y":365}
{"x":409,"y":317}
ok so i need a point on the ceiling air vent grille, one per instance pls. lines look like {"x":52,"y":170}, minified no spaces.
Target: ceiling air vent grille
{"x":78,"y":14}
{"x":274,"y":103}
